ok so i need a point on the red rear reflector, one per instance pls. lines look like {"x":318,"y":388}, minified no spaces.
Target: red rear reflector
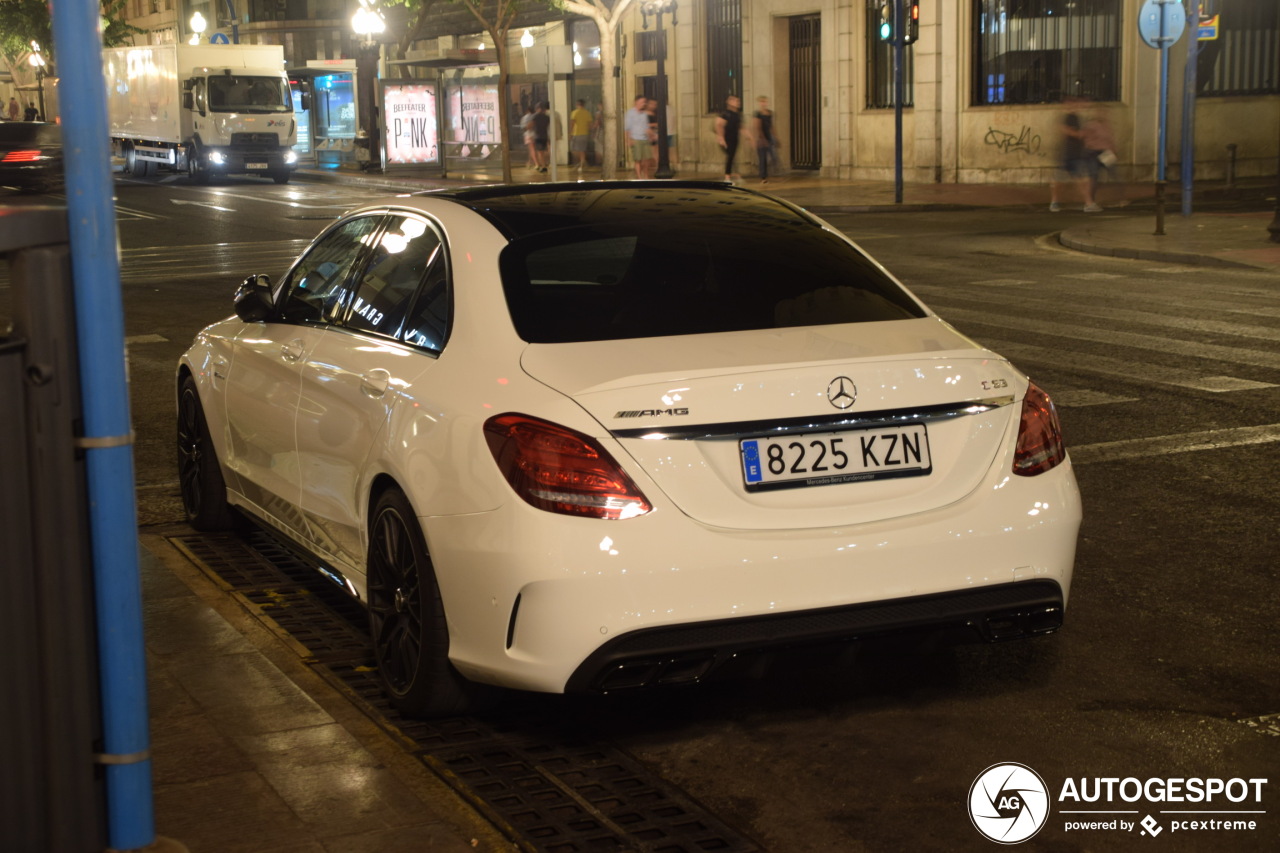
{"x":561,"y":470}
{"x":22,"y":156}
{"x":1040,"y":446}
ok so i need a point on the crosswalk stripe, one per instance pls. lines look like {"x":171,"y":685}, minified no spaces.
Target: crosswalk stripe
{"x":942,"y":299}
{"x":1163,"y":445}
{"x":1132,"y":371}
{"x":1156,"y":343}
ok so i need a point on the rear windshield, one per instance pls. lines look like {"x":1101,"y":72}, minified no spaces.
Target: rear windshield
{"x":691,"y":271}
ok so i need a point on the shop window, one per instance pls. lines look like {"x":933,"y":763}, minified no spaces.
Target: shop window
{"x":724,"y":52}
{"x":1040,"y":51}
{"x":1243,"y":57}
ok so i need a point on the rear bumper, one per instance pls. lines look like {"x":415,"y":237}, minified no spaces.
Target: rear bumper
{"x":682,"y":654}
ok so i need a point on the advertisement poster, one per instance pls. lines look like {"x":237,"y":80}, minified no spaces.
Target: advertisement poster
{"x":411,"y":128}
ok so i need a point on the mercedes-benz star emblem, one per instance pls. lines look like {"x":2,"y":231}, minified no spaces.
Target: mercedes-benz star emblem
{"x":842,"y":392}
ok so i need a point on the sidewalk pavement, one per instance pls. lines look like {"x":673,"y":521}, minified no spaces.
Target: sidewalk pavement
{"x":256,"y":753}
{"x":1126,"y":228}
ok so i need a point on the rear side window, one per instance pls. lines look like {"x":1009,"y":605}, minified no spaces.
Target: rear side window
{"x":692,"y":274}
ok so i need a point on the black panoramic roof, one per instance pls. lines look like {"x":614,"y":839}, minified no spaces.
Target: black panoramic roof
{"x":528,"y":209}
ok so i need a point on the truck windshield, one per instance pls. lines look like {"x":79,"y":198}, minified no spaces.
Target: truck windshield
{"x":229,"y":94}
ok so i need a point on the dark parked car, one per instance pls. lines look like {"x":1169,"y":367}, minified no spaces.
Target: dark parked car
{"x":31,"y":156}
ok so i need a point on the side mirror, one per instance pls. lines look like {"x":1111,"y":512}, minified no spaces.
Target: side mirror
{"x":306,"y":101}
{"x":253,"y":299}
{"x":188,"y":101}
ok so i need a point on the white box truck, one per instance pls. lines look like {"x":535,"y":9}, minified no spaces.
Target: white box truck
{"x":206,"y":110}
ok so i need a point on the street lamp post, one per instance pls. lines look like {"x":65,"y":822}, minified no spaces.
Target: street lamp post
{"x":198,"y":24}
{"x":37,"y":62}
{"x":367,"y":23}
{"x":658,"y":8}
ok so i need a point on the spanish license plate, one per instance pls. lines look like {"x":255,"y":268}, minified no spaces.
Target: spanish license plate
{"x":822,"y":459}
{"x":255,"y":165}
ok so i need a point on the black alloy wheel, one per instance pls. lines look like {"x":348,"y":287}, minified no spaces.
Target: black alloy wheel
{"x":406,"y":617}
{"x":204,"y":493}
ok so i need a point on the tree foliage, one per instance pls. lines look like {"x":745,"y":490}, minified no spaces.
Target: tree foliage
{"x":25,"y":21}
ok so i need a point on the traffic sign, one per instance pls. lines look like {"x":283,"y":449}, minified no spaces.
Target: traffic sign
{"x":219,"y":38}
{"x":1161,"y":22}
{"x":1208,"y":28}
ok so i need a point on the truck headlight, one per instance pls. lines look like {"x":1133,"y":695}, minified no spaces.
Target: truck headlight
{"x":291,"y":157}
{"x":217,"y":158}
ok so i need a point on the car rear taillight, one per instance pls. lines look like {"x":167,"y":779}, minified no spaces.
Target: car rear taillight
{"x":560,"y":470}
{"x":1040,"y":445}
{"x":23,"y":156}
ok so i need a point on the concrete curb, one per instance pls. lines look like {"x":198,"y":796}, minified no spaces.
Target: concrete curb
{"x":1159,"y":255}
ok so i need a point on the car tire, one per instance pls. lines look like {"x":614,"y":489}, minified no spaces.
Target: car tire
{"x":281,"y":177}
{"x":204,"y":492}
{"x":406,"y":617}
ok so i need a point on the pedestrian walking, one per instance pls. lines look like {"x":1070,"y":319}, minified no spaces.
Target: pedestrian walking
{"x":729,"y":132}
{"x":14,"y":109}
{"x":1074,"y":164}
{"x":766,"y":144}
{"x":580,"y":133}
{"x":526,"y":128}
{"x":1100,"y":144}
{"x":542,"y":135}
{"x":31,"y":114}
{"x":636,"y":124}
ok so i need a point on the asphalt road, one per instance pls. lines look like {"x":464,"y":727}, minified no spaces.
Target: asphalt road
{"x":1166,"y":378}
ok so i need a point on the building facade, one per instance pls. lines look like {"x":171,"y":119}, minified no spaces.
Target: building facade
{"x":983,"y":84}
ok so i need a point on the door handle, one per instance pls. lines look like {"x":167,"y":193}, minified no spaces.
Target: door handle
{"x":375,"y":382}
{"x":291,"y":351}
{"x":220,"y":368}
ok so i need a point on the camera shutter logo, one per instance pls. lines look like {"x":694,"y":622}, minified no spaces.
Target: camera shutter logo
{"x":1008,"y":803}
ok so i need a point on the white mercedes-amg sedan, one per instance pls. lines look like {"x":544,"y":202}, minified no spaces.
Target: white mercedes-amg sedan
{"x":595,"y":436}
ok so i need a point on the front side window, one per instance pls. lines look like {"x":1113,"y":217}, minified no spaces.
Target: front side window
{"x":396,"y":267}
{"x":315,"y":287}
{"x":1041,"y":51}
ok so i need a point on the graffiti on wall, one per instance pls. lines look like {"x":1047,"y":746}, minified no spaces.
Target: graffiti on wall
{"x":1024,"y":141}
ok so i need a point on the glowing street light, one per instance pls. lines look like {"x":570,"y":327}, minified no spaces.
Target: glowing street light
{"x":198,"y":25}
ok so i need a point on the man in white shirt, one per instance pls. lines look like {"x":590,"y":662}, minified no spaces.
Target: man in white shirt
{"x":636,"y":122}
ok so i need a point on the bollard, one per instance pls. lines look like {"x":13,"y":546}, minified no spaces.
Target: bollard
{"x":1160,"y":185}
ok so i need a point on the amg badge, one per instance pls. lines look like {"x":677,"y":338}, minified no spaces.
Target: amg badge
{"x":650,"y":413}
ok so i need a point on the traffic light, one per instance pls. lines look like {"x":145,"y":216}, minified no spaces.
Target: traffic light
{"x":911,"y":30}
{"x":910,"y":20}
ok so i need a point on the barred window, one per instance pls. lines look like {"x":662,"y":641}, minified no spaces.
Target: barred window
{"x":724,"y":52}
{"x":1039,"y":51}
{"x":880,"y":67}
{"x":649,"y":44}
{"x":1245,"y":57}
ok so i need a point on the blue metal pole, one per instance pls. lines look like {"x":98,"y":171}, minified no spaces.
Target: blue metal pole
{"x":1189,"y":106}
{"x":1164,"y":108}
{"x":107,"y":433}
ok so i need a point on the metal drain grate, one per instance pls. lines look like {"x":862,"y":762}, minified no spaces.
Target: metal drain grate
{"x":536,"y":772}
